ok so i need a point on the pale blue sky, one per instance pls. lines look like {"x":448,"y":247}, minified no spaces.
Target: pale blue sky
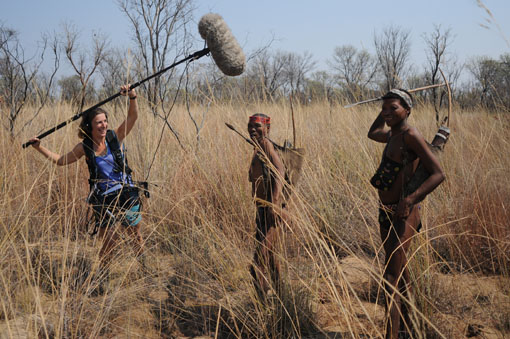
{"x":315,"y":26}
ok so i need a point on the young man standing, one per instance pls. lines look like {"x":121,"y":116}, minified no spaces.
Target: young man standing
{"x":266,"y":175}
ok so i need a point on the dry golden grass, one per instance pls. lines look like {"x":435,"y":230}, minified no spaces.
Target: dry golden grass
{"x":199,"y":226}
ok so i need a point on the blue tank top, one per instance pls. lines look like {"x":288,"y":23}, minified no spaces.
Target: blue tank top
{"x":109,"y":179}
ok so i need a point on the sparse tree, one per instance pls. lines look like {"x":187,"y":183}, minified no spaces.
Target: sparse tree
{"x":267,"y":73}
{"x":84,"y":63}
{"x":392,"y":47}
{"x":295,"y":69}
{"x":273,"y":74}
{"x":437,"y":43}
{"x":504,"y":79}
{"x":70,"y":89}
{"x":17,"y":74}
{"x":453,"y":70}
{"x":159,"y":31}
{"x":354,"y":70}
{"x":44,"y":82}
{"x":320,"y":86}
{"x":484,"y":70}
{"x":492,"y":81}
{"x":416,"y":78}
{"x":113,"y":71}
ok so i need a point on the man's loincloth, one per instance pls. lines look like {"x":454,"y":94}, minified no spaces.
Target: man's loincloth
{"x":263,"y":222}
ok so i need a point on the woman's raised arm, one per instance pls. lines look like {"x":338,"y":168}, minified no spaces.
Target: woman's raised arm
{"x":127,"y":125}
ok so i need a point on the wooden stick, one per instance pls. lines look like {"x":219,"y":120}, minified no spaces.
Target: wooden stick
{"x":425,"y":87}
{"x":293,"y":123}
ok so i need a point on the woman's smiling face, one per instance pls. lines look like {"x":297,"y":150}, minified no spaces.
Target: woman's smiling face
{"x":393,"y":112}
{"x":99,"y":126}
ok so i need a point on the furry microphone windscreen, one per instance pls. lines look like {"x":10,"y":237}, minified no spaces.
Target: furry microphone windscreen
{"x":225,"y":50}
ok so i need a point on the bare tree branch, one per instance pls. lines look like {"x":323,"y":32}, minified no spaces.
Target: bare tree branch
{"x":392,"y":48}
{"x":158,"y":27}
{"x":44,"y":90}
{"x":84,"y":64}
{"x":354,"y":69}
{"x":17,"y":75}
{"x":437,"y":43}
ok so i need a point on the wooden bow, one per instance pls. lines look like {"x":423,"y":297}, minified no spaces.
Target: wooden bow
{"x":449,"y":98}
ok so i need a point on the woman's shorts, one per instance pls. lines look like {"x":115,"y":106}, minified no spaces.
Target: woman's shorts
{"x":123,"y":205}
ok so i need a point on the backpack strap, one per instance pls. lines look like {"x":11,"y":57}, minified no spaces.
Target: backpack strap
{"x":90,"y":155}
{"x":119,"y":158}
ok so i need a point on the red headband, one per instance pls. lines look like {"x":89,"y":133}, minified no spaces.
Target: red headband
{"x":262,"y":120}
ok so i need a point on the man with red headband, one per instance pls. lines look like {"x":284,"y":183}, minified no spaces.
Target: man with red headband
{"x":266,"y":175}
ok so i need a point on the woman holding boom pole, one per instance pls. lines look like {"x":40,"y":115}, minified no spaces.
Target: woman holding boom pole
{"x":112,"y":193}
